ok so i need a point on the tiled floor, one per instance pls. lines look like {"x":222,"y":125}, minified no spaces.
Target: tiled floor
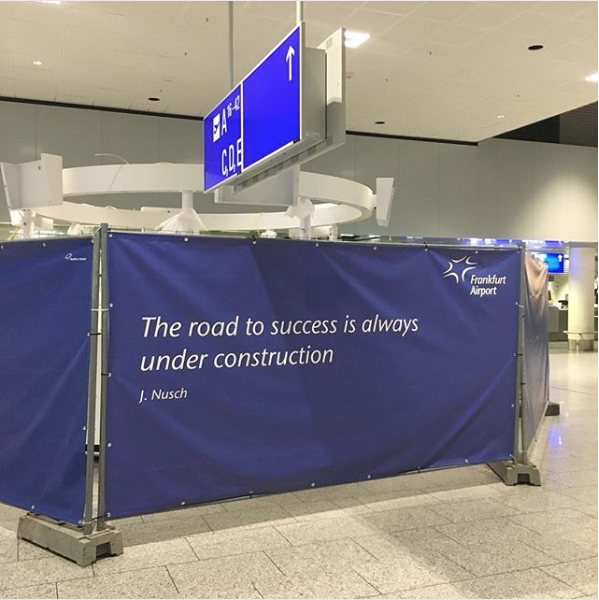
{"x":449,"y":534}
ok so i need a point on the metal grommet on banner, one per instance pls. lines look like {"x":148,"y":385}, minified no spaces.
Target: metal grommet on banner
{"x":466,"y":460}
{"x":183,"y":503}
{"x":44,"y":244}
{"x":368,"y":476}
{"x":313,"y":484}
{"x":186,"y":239}
{"x":109,"y":445}
{"x":317,"y":244}
{"x":425,"y":246}
{"x":375,"y":248}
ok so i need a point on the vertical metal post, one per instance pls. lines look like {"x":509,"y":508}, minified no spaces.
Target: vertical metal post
{"x":104,"y":306}
{"x":88,"y":515}
{"x":231,"y":48}
{"x":518,"y":401}
{"x":299,"y":12}
{"x":521,"y":350}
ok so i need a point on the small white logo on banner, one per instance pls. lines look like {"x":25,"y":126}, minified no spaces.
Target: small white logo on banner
{"x":480,"y":285}
{"x":464,"y":264}
{"x":70,"y":257}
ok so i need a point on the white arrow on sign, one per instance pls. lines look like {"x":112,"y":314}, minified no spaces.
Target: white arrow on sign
{"x":290,"y":54}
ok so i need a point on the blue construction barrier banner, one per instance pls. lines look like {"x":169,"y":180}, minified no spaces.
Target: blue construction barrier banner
{"x":45,"y":308}
{"x":536,"y":348}
{"x":240,"y":367}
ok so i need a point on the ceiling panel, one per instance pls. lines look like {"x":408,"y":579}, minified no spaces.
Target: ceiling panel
{"x":445,"y":11}
{"x":430,"y":69}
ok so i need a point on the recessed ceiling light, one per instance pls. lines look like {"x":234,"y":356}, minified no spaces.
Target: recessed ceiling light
{"x":379,"y":122}
{"x":49,"y":1}
{"x":353,"y":39}
{"x":154,"y":99}
{"x":536,"y":47}
{"x":38,"y":63}
{"x":501,"y":116}
{"x":594,"y":78}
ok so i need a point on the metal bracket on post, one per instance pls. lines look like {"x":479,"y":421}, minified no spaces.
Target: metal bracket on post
{"x":82,"y":544}
{"x":519,"y":469}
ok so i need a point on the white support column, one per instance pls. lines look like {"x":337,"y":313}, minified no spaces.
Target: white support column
{"x":581,"y":327}
{"x":186,"y":199}
{"x":27,"y":225}
{"x":306,"y":227}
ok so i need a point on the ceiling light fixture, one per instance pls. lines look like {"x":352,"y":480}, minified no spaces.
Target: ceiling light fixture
{"x":594,"y":78}
{"x":49,"y":1}
{"x":154,"y":99}
{"x":501,"y":116}
{"x":379,"y":122}
{"x":353,"y":39}
{"x":38,"y":63}
{"x":536,"y":47}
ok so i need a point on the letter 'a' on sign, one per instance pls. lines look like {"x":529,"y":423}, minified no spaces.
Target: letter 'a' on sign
{"x":277,"y":111}
{"x":222,"y":141}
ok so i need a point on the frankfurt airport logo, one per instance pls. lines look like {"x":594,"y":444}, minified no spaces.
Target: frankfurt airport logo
{"x":72,"y":258}
{"x":216,"y":128}
{"x":458,"y":269}
{"x":461,"y":269}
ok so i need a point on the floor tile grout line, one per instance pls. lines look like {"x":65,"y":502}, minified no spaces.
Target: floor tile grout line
{"x":192,"y":548}
{"x":556,"y":560}
{"x":357,"y":541}
{"x":416,"y":559}
{"x":274,"y":563}
{"x":565,"y":389}
{"x":257,"y":590}
{"x":172,"y":579}
{"x":561,"y":580}
{"x":374,"y":587}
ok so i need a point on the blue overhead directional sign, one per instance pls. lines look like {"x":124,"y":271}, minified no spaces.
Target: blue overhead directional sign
{"x":260,"y":117}
{"x":223,"y":145}
{"x":272,"y":105}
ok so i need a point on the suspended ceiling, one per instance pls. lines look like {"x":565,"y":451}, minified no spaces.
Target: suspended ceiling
{"x":448,"y":70}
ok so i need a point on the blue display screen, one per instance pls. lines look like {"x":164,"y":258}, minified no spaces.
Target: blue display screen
{"x":553,"y":260}
{"x":272,"y":108}
{"x":258,"y":118}
{"x":223,"y":144}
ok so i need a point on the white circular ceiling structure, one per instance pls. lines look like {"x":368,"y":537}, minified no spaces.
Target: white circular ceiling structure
{"x":337,"y":200}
